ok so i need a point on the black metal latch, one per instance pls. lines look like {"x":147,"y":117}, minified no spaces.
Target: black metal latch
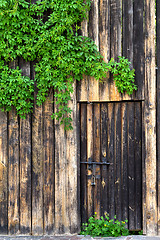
{"x":92,"y":167}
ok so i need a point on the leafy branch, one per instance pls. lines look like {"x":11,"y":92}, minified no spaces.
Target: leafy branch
{"x":47,"y":32}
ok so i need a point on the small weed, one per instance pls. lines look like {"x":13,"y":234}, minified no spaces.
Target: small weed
{"x":104,"y":227}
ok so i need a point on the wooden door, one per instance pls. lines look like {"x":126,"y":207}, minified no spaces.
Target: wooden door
{"x":111,"y":161}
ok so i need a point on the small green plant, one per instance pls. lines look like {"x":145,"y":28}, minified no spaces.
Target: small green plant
{"x":104,"y":227}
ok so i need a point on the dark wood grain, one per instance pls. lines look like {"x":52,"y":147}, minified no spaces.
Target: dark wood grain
{"x":138,"y":47}
{"x":13,"y":170}
{"x":37,"y":167}
{"x":111,"y":154}
{"x":131,"y":165}
{"x":25,"y":164}
{"x":124,"y":164}
{"x":138,"y":166}
{"x":104,"y":158}
{"x":3,"y":173}
{"x":48,"y":144}
{"x":117,"y":161}
{"x":96,"y":158}
{"x":83,"y":149}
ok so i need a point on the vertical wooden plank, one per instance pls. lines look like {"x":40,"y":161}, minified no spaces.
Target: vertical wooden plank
{"x":3,"y":173}
{"x":104,"y":44}
{"x":82,"y":86}
{"x":104,"y":158}
{"x":144,"y":212}
{"x":128,"y":30}
{"x":90,"y":200}
{"x":127,"y":33}
{"x":150,"y":119}
{"x":158,"y":105}
{"x":25,"y":164}
{"x":138,"y":166}
{"x":124,"y":163}
{"x":96,"y":158}
{"x":37,"y":168}
{"x":61,"y":218}
{"x":72,"y":170}
{"x":13,"y":171}
{"x":131,"y":165}
{"x":93,"y":86}
{"x":138,"y":47}
{"x":111,"y":153}
{"x":48,"y":143}
{"x":78,"y":124}
{"x":116,"y":15}
{"x":83,"y":150}
{"x":117,"y":149}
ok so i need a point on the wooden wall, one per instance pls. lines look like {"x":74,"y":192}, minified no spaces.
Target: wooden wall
{"x":40,"y":162}
{"x":38,"y":170}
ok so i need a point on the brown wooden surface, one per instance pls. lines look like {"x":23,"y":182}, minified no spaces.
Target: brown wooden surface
{"x":113,"y":134}
{"x":93,"y":32}
{"x":25,"y":164}
{"x":13,"y":170}
{"x":96,"y":158}
{"x":66,"y":206}
{"x":48,"y":158}
{"x":39,"y":160}
{"x":89,"y":130}
{"x":3,"y":173}
{"x":117,"y":29}
{"x":37,"y":169}
{"x":158,"y":108}
{"x":71,"y":168}
{"x":150,"y":119}
{"x":13,"y":174}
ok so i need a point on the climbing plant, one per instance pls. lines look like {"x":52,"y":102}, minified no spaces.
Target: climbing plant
{"x":46,"y":32}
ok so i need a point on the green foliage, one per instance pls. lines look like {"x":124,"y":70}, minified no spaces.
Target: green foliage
{"x":104,"y":227}
{"x":47,"y":32}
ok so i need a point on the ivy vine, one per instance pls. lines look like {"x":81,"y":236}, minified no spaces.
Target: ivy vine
{"x":47,"y":32}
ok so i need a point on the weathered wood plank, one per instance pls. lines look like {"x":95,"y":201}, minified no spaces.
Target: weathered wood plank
{"x":115,"y":42}
{"x":82,"y":86}
{"x":104,"y":158}
{"x":83,"y":149}
{"x":37,"y":167}
{"x":138,"y":47}
{"x":111,"y":153}
{"x":124,"y":164}
{"x":3,"y":173}
{"x":71,"y":168}
{"x":96,"y":158}
{"x":131,"y":165}
{"x":158,"y":106}
{"x":138,"y":165}
{"x":90,"y":200}
{"x":93,"y":85}
{"x":25,"y":164}
{"x":78,"y":128}
{"x":48,"y":143}
{"x":144,"y":213}
{"x":150,"y":119}
{"x":127,"y":34}
{"x":62,"y":221}
{"x":13,"y":170}
{"x":128,"y":30}
{"x":104,"y":44}
{"x":13,"y":174}
{"x":117,"y":150}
